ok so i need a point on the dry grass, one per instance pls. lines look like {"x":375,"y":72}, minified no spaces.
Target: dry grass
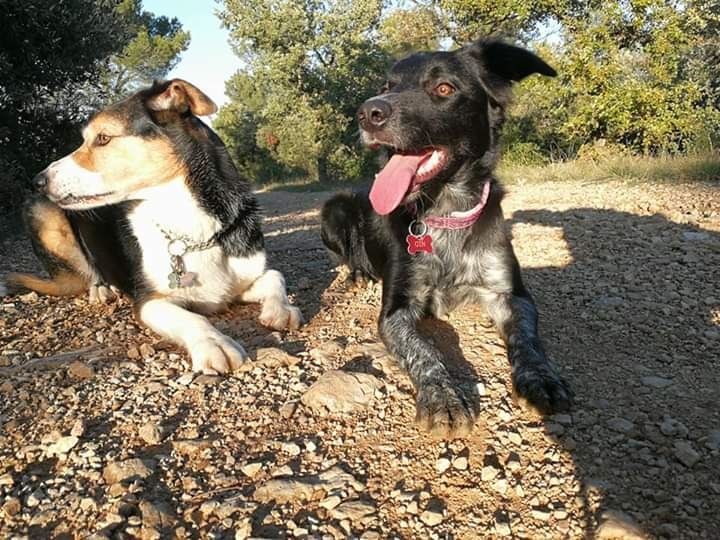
{"x":635,"y":169}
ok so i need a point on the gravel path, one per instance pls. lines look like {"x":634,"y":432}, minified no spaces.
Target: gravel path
{"x":104,"y":433}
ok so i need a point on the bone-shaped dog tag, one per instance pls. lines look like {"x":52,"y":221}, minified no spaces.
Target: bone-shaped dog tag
{"x":418,"y":242}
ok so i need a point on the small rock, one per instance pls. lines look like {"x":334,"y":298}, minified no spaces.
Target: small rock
{"x":488,"y":473}
{"x":251,"y":469}
{"x":713,"y":440}
{"x":460,"y":463}
{"x":502,"y":527}
{"x":341,"y":391}
{"x":540,"y":515}
{"x":79,"y":427}
{"x":564,"y":419}
{"x":431,"y":518}
{"x":80,"y":370}
{"x":274,"y":357}
{"x":6,"y":480}
{"x":186,"y":379}
{"x":35,"y":498}
{"x":12,"y":506}
{"x":353,"y":510}
{"x":442,"y":465}
{"x":190,"y":447}
{"x":133,"y":353}
{"x":156,"y":515}
{"x":686,"y":454}
{"x":330,"y":502}
{"x":282,"y":490}
{"x":620,"y":425}
{"x":291,"y":448}
{"x":62,"y":446}
{"x":656,"y":382}
{"x":150,"y":433}
{"x":147,"y":351}
{"x":121,"y":471}
{"x":615,"y":524}
{"x":288,"y":409}
{"x":243,"y":529}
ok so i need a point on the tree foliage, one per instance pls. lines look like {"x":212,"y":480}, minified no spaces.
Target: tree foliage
{"x":153,"y":49}
{"x":49,"y":52}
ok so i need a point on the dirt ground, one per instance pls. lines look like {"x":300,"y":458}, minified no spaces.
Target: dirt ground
{"x":104,"y":434}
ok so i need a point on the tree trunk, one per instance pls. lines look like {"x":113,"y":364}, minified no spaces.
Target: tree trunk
{"x":322,"y":171}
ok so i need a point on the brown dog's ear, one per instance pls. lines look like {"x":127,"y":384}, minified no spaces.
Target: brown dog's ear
{"x":179,"y":96}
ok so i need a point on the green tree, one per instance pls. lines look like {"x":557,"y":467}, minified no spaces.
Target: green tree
{"x":153,"y":49}
{"x":313,"y":62}
{"x":51,"y":54}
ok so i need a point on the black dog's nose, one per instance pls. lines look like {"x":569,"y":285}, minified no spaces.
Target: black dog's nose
{"x":40,"y":181}
{"x":373,"y":114}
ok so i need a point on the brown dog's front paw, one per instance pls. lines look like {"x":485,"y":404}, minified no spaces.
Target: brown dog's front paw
{"x":443,"y":411}
{"x":539,"y":387}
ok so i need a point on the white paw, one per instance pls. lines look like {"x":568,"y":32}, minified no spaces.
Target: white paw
{"x":213,"y":354}
{"x":102,"y":294}
{"x":280,"y":315}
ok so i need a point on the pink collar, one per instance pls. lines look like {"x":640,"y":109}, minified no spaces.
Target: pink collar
{"x":461,"y":220}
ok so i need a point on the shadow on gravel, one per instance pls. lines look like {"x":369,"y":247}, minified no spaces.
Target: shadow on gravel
{"x":633,"y":323}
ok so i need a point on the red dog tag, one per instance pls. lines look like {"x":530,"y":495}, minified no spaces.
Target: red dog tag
{"x":419,"y":242}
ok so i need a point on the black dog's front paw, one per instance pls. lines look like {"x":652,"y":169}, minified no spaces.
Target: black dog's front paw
{"x":540,"y":387}
{"x":443,"y":411}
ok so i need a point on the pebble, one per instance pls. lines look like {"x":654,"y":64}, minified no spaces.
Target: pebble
{"x":354,"y":510}
{"x":656,"y":382}
{"x":540,"y":515}
{"x":431,"y":517}
{"x":150,"y":433}
{"x":686,"y":454}
{"x":35,"y":498}
{"x":190,"y":447}
{"x":488,"y":473}
{"x":147,"y":351}
{"x":12,"y":506}
{"x":460,"y":463}
{"x":442,"y":465}
{"x":62,"y":446}
{"x":79,"y":427}
{"x":341,"y":391}
{"x":243,"y":529}
{"x":502,"y":527}
{"x":80,"y":370}
{"x":291,"y":448}
{"x":620,"y":425}
{"x":251,"y":469}
{"x":713,"y":440}
{"x":330,"y":502}
{"x":615,"y":524}
{"x":120,"y":471}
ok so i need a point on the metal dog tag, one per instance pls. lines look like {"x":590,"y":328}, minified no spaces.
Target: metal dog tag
{"x":418,"y":242}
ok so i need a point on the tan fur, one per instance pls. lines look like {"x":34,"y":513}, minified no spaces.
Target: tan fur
{"x":127,"y":163}
{"x":55,"y":234}
{"x":65,"y":283}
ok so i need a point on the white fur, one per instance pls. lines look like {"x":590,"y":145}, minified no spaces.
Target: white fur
{"x":211,"y":352}
{"x":66,"y":178}
{"x":277,"y":312}
{"x":172,"y":207}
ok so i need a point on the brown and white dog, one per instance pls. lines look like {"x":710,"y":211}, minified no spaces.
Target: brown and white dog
{"x":151,"y":205}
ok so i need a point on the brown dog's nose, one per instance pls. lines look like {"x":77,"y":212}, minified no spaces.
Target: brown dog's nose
{"x":373,"y":114}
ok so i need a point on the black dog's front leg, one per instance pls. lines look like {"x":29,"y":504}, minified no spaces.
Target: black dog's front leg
{"x":514,"y":313}
{"x":441,"y":407}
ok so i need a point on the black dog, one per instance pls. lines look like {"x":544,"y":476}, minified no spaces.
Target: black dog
{"x":432,"y":228}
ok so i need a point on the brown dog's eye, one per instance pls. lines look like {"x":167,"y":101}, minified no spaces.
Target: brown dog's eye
{"x":444,"y":90}
{"x":102,"y":139}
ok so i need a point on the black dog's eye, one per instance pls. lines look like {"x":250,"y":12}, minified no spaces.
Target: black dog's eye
{"x":101,"y":139}
{"x":444,"y":90}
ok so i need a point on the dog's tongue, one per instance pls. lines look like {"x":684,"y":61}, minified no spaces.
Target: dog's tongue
{"x":393,"y":182}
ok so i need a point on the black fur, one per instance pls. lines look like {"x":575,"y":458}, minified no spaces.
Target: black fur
{"x":470,"y":265}
{"x":103,"y":233}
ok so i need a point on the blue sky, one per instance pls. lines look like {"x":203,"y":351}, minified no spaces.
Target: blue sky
{"x":209,"y":61}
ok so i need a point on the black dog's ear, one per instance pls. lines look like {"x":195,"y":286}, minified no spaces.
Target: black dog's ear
{"x":510,"y":62}
{"x":499,"y":64}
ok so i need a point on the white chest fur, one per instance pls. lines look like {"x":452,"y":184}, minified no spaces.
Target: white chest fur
{"x":171,"y":210}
